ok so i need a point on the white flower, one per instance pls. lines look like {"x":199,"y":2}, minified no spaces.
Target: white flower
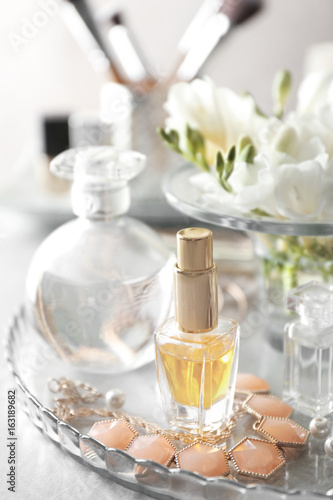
{"x":299,"y":138}
{"x":254,"y":186}
{"x":299,"y":190}
{"x":220,"y":115}
{"x":327,"y":213}
{"x":315,"y":90}
{"x":207,"y":193}
{"x":299,"y":169}
{"x":291,"y":176}
{"x":315,"y":95}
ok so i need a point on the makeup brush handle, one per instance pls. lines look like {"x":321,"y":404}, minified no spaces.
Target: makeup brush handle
{"x":239,"y":11}
{"x":219,"y":24}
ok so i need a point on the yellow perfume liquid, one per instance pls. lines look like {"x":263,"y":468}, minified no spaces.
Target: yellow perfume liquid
{"x":205,"y":374}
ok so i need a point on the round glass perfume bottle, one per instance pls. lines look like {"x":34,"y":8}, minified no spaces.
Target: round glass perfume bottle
{"x":99,"y":285}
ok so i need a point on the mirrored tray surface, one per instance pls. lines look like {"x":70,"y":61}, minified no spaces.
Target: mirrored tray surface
{"x":32,"y":362}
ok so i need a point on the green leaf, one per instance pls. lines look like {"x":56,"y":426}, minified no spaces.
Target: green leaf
{"x":174,"y":137}
{"x":242,"y":142}
{"x":281,"y":88}
{"x":163,"y":134}
{"x":246,"y":150}
{"x":231,"y":154}
{"x":229,"y":164}
{"x":221,"y":167}
{"x":226,"y":186}
{"x":194,"y":141}
{"x":260,"y":212}
{"x":219,"y":164}
{"x":201,"y":162}
{"x":248,"y":153}
{"x":170,"y":138}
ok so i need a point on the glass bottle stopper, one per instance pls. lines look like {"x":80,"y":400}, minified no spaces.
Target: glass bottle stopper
{"x":313,"y":302}
{"x":100,"y":177}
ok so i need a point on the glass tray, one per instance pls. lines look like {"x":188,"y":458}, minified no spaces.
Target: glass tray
{"x":191,"y":200}
{"x":307,"y":475}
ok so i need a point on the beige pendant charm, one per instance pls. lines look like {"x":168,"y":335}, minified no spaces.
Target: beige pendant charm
{"x":113,"y":433}
{"x":154,"y":447}
{"x":246,"y":383}
{"x":203,"y":458}
{"x":256,"y":457}
{"x":267,"y":406}
{"x":283,"y":431}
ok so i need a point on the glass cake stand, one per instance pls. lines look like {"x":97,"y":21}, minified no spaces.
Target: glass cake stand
{"x":307,"y":474}
{"x":192,"y":200}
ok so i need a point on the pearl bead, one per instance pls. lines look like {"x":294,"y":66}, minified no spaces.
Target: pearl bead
{"x":329,"y":447}
{"x":115,"y":399}
{"x":320,"y":427}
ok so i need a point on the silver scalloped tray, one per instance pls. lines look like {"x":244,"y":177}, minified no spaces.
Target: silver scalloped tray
{"x":31,"y":363}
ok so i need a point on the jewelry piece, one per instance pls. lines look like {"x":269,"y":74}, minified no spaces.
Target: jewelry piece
{"x":203,"y":458}
{"x":246,"y":383}
{"x":329,"y":447}
{"x":256,"y":457}
{"x":267,"y":406}
{"x":115,"y":399}
{"x":75,"y":392}
{"x":283,"y":431}
{"x":66,"y":410}
{"x":203,"y":455}
{"x":113,"y":433}
{"x":320,"y":427}
{"x":154,"y":447}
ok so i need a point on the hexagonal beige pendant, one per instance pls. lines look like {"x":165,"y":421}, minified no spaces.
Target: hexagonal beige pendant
{"x":283,"y":431}
{"x":256,"y":457}
{"x":203,"y":458}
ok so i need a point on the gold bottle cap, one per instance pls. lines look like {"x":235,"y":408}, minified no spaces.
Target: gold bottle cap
{"x":195,"y":281}
{"x":195,"y":249}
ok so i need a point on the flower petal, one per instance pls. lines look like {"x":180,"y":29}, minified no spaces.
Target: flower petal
{"x":299,"y":190}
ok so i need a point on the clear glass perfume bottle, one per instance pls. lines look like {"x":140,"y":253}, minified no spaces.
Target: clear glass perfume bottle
{"x":196,"y":352}
{"x":308,"y":350}
{"x":99,"y":285}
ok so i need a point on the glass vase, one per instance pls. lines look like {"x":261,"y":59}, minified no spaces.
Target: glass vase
{"x":287,"y":262}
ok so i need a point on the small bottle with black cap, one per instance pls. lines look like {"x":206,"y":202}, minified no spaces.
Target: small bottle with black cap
{"x":197,"y":351}
{"x":54,"y":140}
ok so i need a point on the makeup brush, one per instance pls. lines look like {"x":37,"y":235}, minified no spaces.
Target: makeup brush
{"x":107,"y":42}
{"x":82,"y":25}
{"x":208,"y":9}
{"x":126,"y":54}
{"x":206,"y":31}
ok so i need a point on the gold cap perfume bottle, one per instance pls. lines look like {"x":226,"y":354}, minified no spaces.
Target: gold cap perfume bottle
{"x":196,"y":352}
